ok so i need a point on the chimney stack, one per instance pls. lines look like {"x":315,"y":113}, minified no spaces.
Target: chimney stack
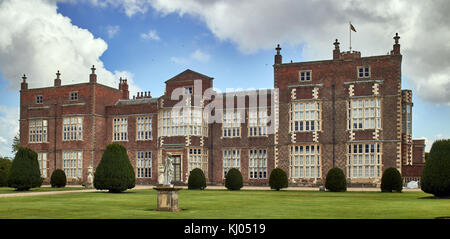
{"x":24,"y":84}
{"x":396,"y":50}
{"x":336,"y":51}
{"x":93,"y":76}
{"x":57,"y":80}
{"x":123,"y":86}
{"x":278,"y":58}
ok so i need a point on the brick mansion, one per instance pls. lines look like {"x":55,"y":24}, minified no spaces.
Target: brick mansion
{"x":348,"y":112}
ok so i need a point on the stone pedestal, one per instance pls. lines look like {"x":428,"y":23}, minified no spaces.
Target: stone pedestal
{"x":167,"y":198}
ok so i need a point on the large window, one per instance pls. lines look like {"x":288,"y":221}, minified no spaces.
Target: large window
{"x":257,"y":122}
{"x":73,"y":128}
{"x":198,"y":158}
{"x":407,"y":119}
{"x":364,"y":160}
{"x":257,"y":164}
{"x":231,"y":159}
{"x":37,"y":131}
{"x":144,"y":128}
{"x":73,"y":164}
{"x":144,"y":165}
{"x":120,"y":129}
{"x":305,"y":161}
{"x":182,"y":122}
{"x":42,"y":159}
{"x":231,"y":124}
{"x":364,"y":114}
{"x":305,"y":116}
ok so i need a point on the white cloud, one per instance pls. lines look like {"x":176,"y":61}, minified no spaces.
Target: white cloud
{"x":9,"y":127}
{"x":151,"y":35}
{"x":261,"y":24}
{"x":37,"y":41}
{"x":196,"y":55}
{"x":200,"y":55}
{"x":179,"y":60}
{"x":112,"y":30}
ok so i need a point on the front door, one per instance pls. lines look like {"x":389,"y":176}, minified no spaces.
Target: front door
{"x":176,"y":168}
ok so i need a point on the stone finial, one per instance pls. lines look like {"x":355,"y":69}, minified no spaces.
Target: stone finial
{"x":336,"y":44}
{"x":24,"y":78}
{"x":57,"y":75}
{"x":93,"y":69}
{"x":396,"y":38}
{"x":278,"y":48}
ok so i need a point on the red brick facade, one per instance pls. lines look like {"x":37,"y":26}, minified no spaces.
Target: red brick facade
{"x":334,"y":86}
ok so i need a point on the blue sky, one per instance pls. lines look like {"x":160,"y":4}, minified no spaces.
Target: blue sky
{"x":152,"y":41}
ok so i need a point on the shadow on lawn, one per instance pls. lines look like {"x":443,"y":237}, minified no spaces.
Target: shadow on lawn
{"x":433,"y":197}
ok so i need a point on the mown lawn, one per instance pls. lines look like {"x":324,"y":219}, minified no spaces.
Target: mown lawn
{"x":4,"y":190}
{"x":222,"y":204}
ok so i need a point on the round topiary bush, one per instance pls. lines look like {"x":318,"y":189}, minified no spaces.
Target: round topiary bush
{"x":25,"y":173}
{"x":335,"y":180}
{"x":436,"y":173}
{"x":233,"y":179}
{"x":197,"y":179}
{"x":58,"y":179}
{"x":391,"y":181}
{"x":5,"y":167}
{"x":278,"y":179}
{"x":114,"y":172}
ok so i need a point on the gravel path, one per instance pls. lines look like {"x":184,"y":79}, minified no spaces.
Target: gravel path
{"x":23,"y":194}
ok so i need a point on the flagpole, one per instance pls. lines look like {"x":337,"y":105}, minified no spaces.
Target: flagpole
{"x":350,"y":30}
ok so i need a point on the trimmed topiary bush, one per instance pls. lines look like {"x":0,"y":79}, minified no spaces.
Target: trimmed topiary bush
{"x":197,"y":179}
{"x":391,"y":180}
{"x":5,"y":167}
{"x":25,"y":173}
{"x":233,"y":179}
{"x":58,"y":179}
{"x":436,"y":173}
{"x":114,"y":172}
{"x":335,"y":180}
{"x":278,"y":179}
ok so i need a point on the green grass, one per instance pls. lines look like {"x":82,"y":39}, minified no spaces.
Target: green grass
{"x":4,"y":190}
{"x":229,"y":204}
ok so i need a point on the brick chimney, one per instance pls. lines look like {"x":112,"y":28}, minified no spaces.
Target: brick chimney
{"x":93,"y":76}
{"x":396,"y":50}
{"x":336,"y":51}
{"x":123,"y":86}
{"x":278,"y":58}
{"x":57,"y":80}
{"x":24,"y":84}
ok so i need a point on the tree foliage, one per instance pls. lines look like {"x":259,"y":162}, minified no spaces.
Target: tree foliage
{"x":391,"y":181}
{"x":278,"y":179}
{"x":335,"y":180}
{"x":233,"y":179}
{"x":436,"y":173}
{"x":197,"y":179}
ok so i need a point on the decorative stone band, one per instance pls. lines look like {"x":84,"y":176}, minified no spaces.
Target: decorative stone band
{"x":39,"y":107}
{"x":161,"y":141}
{"x":293,"y":137}
{"x":306,"y":85}
{"x":188,"y":140}
{"x":364,"y":81}
{"x":376,"y":134}
{"x":293,"y":94}
{"x":375,"y":89}
{"x":201,"y":141}
{"x":74,"y":104}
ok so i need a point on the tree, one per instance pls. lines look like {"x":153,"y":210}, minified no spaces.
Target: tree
{"x":233,"y":179}
{"x":278,"y":179}
{"x":335,"y":180}
{"x":436,"y":173}
{"x":58,"y":179}
{"x":391,"y":181}
{"x":114,"y":172}
{"x":16,"y":143}
{"x":197,"y":179}
{"x":25,"y":173}
{"x":5,"y":167}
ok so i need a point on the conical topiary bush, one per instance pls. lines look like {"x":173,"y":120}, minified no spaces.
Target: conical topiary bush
{"x":114,"y":172}
{"x":25,"y":173}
